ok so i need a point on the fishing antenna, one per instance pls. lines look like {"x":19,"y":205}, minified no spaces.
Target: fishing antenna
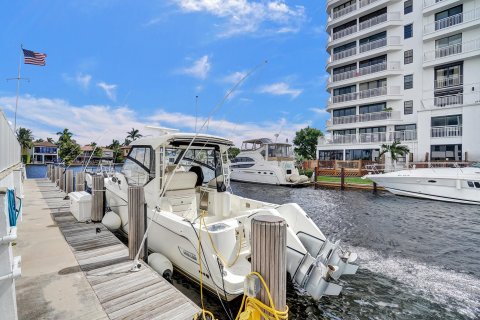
{"x":196,"y":112}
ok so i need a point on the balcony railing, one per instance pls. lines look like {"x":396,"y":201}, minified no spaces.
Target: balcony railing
{"x":452,"y":21}
{"x":379,"y":67}
{"x":345,"y":32}
{"x":446,"y":131}
{"x":453,"y":49}
{"x":365,"y":94}
{"x":378,"y":137}
{"x":364,"y":3}
{"x":451,"y":81}
{"x":379,"y":43}
{"x":454,"y":100}
{"x":379,"y":19}
{"x":344,"y":11}
{"x":344,"y":54}
{"x":373,"y":116}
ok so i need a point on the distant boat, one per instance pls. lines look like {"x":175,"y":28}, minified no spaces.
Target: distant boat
{"x":264,"y":161}
{"x":461,"y":185}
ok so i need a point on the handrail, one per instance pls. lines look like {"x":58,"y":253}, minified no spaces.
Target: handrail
{"x":365,"y":117}
{"x":451,"y":21}
{"x":446,"y":131}
{"x":453,"y":49}
{"x":365,"y":94}
{"x":379,"y":67}
{"x":10,"y":150}
{"x":364,"y":138}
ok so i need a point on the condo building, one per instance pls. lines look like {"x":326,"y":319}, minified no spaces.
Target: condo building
{"x":405,"y":71}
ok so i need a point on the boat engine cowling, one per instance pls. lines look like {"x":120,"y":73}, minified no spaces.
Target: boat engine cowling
{"x":161,"y":265}
{"x":112,"y":221}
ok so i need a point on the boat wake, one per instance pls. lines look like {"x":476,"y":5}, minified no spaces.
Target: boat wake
{"x":457,"y":290}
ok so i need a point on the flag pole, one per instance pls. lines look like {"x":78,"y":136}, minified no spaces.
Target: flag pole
{"x":18,"y":87}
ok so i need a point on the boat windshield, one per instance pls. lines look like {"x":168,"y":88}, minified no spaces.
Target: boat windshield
{"x":279,"y":151}
{"x":138,"y":167}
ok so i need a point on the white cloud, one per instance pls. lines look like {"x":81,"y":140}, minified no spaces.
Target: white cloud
{"x":319,"y":111}
{"x":87,"y":122}
{"x":280,"y":88}
{"x":82,"y":80}
{"x":235,"y":77}
{"x":199,"y":68}
{"x":245,"y":16}
{"x":109,"y":89}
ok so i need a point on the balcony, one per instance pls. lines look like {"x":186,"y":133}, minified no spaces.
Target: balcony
{"x":374,"y":116}
{"x":365,"y":25}
{"x":451,"y":21}
{"x":370,"y":138}
{"x":391,"y":66}
{"x":446,"y":131}
{"x":455,"y":100}
{"x":365,"y":49}
{"x":445,"y":82}
{"x":452,"y":50}
{"x":354,"y":7}
{"x":366,"y":94}
{"x":344,"y":11}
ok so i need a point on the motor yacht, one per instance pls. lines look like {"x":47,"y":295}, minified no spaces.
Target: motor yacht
{"x":185,"y":180}
{"x":264,"y":161}
{"x":460,"y":185}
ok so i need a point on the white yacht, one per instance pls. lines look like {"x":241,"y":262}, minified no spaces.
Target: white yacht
{"x":185,"y":179}
{"x":264,"y":161}
{"x":460,"y":185}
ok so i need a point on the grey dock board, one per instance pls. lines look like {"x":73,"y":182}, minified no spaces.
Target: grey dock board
{"x":103,"y":258}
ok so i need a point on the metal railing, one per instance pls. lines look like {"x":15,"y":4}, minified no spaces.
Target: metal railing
{"x":364,"y":3}
{"x":372,"y":116}
{"x":446,"y":131}
{"x":428,"y":3}
{"x":376,"y":168}
{"x":452,"y":21}
{"x":365,"y":94}
{"x":453,"y":49}
{"x":390,"y":16}
{"x":344,"y":54}
{"x":379,"y":67}
{"x":454,"y":100}
{"x":339,"y":13}
{"x":379,"y":43}
{"x":364,"y":138}
{"x":10,"y":150}
{"x":451,"y":81}
{"x":345,"y":32}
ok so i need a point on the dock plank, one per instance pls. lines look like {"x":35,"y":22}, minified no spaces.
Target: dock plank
{"x":103,"y":258}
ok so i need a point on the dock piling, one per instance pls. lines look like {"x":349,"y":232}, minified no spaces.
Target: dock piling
{"x":269,"y":243}
{"x":97,"y":198}
{"x":61,"y":181}
{"x":69,"y":182}
{"x":57,"y":175}
{"x":342,"y":178}
{"x":374,"y":187}
{"x":136,"y":220}
{"x":80,"y":181}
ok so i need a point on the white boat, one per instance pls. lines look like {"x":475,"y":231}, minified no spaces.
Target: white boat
{"x":460,"y":185}
{"x":182,"y":184}
{"x":264,"y":161}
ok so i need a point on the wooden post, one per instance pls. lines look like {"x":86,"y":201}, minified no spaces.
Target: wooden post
{"x":61,"y":182}
{"x":136,"y":220}
{"x":69,"y":181}
{"x":315,"y":177}
{"x":342,"y":178}
{"x":269,"y":247}
{"x":48,"y":171}
{"x":55,"y":175}
{"x":97,"y":198}
{"x":80,"y":181}
{"x":374,"y":187}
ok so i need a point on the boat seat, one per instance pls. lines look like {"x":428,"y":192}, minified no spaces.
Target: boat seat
{"x":180,"y":197}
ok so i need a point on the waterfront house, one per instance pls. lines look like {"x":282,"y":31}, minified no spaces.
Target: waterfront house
{"x":125,"y":150}
{"x":44,"y":152}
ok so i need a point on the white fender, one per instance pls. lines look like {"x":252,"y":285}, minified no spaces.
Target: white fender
{"x":112,"y":221}
{"x":161,"y":264}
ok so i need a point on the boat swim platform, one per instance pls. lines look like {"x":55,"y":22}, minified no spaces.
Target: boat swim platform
{"x":75,"y":270}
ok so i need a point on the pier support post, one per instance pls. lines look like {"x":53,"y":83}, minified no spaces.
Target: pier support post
{"x":342,"y":178}
{"x":61,"y":181}
{"x":269,"y":247}
{"x":80,"y":181}
{"x":374,"y":187}
{"x":315,"y":177}
{"x":97,"y":198}
{"x":69,"y":181}
{"x":49,"y":171}
{"x":136,"y":221}
{"x":56,"y":175}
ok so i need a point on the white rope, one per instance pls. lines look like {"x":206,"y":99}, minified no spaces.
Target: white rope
{"x":214,"y":110}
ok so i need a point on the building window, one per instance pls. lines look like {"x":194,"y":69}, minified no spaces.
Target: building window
{"x":449,"y":17}
{"x":344,"y":132}
{"x":408,"y":56}
{"x":344,"y":5}
{"x":408,"y":82}
{"x":448,"y":46}
{"x":454,"y":120}
{"x":408,"y":31}
{"x":330,"y":155}
{"x":345,"y":112}
{"x":449,"y":76}
{"x":407,"y":6}
{"x":406,"y":127}
{"x":378,"y":107}
{"x":446,"y":152}
{"x":362,"y":154}
{"x":344,"y":90}
{"x":408,"y":107}
{"x":373,"y":130}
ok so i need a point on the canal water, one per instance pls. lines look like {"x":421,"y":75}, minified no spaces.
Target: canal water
{"x":419,"y":259}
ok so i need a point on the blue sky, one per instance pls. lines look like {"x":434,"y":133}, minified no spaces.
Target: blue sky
{"x":115,"y":64}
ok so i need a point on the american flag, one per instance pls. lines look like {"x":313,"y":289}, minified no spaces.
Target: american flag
{"x":35,"y":58}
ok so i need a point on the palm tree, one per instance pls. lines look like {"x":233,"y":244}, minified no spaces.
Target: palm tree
{"x":65,"y":136}
{"x":395,"y":150}
{"x":39,"y":140}
{"x":114,"y":145}
{"x":134,"y":134}
{"x":25,"y":138}
{"x":51,"y":140}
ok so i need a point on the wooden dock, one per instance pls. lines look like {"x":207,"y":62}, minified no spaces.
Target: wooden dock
{"x":103,"y":259}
